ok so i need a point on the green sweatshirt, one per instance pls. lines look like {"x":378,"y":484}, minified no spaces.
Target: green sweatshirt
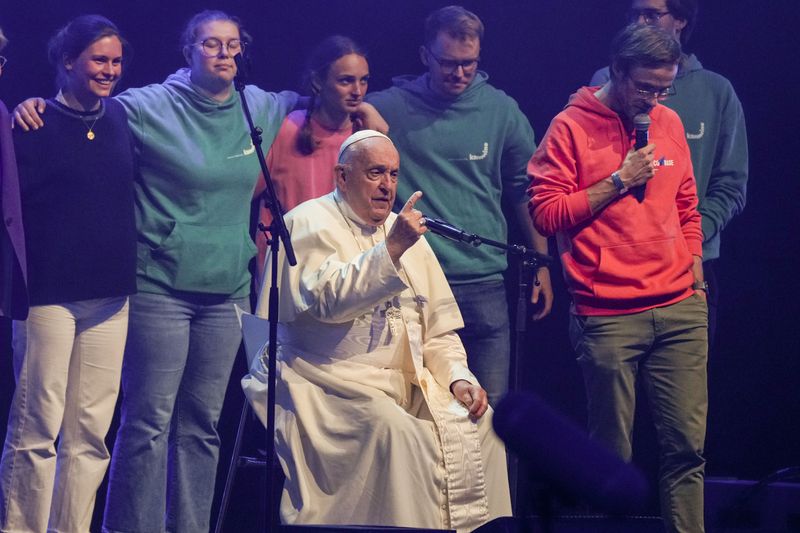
{"x":197,"y":169}
{"x":467,"y":156}
{"x":715,"y":130}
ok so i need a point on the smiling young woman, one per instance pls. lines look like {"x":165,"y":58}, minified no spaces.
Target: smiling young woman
{"x":93,"y":74}
{"x":77,"y":207}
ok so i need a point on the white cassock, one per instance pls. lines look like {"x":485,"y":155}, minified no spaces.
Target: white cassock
{"x":367,"y":431}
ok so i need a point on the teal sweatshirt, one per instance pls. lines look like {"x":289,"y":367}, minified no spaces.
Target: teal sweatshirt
{"x":715,"y":130}
{"x":467,"y":156}
{"x":197,"y":169}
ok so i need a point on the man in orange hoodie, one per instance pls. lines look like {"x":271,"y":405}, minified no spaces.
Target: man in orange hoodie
{"x":630,"y":242}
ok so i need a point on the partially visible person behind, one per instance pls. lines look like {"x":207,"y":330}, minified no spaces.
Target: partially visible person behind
{"x":303,"y":154}
{"x":13,"y":291}
{"x":466,"y":144}
{"x":76,"y":176}
{"x":633,"y":267}
{"x":379,"y":420}
{"x":715,"y":130}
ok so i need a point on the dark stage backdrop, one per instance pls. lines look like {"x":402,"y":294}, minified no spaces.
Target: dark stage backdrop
{"x":540,"y":51}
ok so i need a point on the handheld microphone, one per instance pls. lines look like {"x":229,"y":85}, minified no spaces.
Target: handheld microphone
{"x":449,"y":231}
{"x":557,"y":451}
{"x":641,"y":123}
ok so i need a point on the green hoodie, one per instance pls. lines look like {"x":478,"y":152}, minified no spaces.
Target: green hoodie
{"x":467,"y":155}
{"x":714,"y":122}
{"x":197,"y":169}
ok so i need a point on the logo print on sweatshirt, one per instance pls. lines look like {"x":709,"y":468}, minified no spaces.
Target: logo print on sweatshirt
{"x":473,"y":157}
{"x":245,"y":152}
{"x":699,"y":134}
{"x":663,"y":162}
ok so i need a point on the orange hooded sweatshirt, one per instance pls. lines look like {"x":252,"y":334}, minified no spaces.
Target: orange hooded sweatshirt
{"x":630,"y":256}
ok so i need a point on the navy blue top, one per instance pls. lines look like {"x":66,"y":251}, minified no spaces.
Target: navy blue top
{"x":77,"y":204}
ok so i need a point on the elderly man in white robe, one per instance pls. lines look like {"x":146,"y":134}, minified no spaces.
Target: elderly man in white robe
{"x":378,"y":419}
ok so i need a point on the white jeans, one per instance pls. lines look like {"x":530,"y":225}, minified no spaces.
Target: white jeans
{"x":67,"y":363}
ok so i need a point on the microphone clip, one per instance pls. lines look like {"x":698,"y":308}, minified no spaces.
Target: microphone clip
{"x":448,"y":231}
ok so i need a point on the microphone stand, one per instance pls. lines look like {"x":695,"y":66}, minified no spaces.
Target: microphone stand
{"x":529,"y":263}
{"x":279,"y":233}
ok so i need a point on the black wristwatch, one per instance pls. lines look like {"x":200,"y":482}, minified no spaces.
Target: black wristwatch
{"x":700,"y":286}
{"x":617,"y":181}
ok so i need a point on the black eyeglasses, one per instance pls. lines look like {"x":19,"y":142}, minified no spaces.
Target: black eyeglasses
{"x":650,"y":16}
{"x":3,"y":61}
{"x":448,"y":66}
{"x":661,"y":94}
{"x":212,"y":46}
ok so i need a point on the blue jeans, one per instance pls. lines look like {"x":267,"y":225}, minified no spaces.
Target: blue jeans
{"x":177,"y":364}
{"x":486,"y":334}
{"x":666,"y":347}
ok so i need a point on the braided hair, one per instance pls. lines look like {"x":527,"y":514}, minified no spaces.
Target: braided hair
{"x":319,"y":63}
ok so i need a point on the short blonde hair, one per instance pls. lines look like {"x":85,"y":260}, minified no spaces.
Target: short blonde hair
{"x":456,"y":22}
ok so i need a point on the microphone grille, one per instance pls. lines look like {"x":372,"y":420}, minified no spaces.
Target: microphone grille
{"x":641,"y":121}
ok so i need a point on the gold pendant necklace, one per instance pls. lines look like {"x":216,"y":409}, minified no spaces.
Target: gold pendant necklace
{"x":89,"y":128}
{"x":90,"y":133}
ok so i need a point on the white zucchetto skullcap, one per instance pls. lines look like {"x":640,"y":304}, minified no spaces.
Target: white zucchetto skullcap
{"x":359,"y":136}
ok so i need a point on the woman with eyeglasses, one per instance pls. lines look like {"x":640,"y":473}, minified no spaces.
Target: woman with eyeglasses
{"x":197,"y":167}
{"x":302,"y":158}
{"x":76,"y":178}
